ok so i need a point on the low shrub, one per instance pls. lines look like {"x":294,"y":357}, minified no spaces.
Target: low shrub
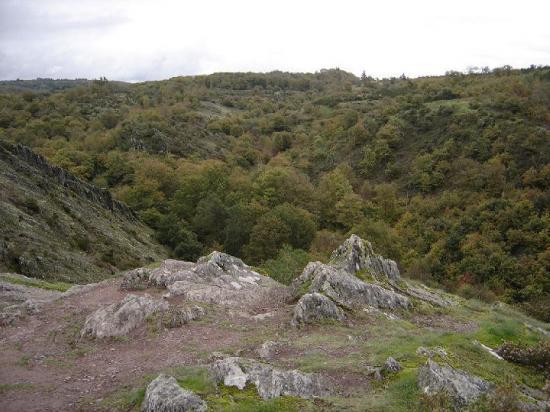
{"x":537,"y":356}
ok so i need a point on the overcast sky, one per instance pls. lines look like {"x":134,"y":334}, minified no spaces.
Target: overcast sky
{"x":143,"y":40}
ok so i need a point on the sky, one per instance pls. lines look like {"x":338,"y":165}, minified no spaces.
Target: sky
{"x":136,"y":40}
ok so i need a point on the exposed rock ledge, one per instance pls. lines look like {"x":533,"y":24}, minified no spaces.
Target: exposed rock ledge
{"x":460,"y":386}
{"x":120,"y":318}
{"x":165,"y":395}
{"x":338,"y":281}
{"x":217,"y":278}
{"x":269,"y":382}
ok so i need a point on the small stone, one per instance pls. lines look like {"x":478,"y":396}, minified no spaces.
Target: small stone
{"x":391,"y":365}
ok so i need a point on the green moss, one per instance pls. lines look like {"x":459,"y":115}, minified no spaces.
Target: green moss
{"x":304,"y":288}
{"x":400,"y":394}
{"x":124,"y":400}
{"x":231,"y":399}
{"x":365,"y":276}
{"x":36,"y":283}
{"x":195,"y":379}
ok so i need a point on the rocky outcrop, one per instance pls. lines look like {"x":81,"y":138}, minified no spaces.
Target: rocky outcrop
{"x":326,"y":286}
{"x":217,"y":278}
{"x":165,"y":395}
{"x":461,"y":387}
{"x":269,"y":382}
{"x":346,"y":289}
{"x":314,"y":307}
{"x":170,"y":271}
{"x":355,"y":254}
{"x":120,"y":318}
{"x":222,"y":279}
{"x":22,"y":156}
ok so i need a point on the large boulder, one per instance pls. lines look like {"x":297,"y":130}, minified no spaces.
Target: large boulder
{"x":120,"y":318}
{"x":216,"y":278}
{"x":314,"y":307}
{"x":165,"y":395}
{"x":346,"y":289}
{"x":269,"y":382}
{"x":356,"y":254}
{"x":461,"y":387}
{"x":222,"y":279}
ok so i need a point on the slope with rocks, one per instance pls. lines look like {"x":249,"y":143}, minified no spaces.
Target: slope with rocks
{"x":58,"y":227}
{"x":116,"y":345}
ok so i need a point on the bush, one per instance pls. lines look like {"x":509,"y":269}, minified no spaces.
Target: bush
{"x":537,"y":356}
{"x":288,"y":265}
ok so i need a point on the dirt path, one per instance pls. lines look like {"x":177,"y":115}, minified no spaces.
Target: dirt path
{"x":46,"y":366}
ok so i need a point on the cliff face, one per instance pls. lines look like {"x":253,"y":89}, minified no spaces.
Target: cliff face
{"x":56,"y":226}
{"x":23,"y":159}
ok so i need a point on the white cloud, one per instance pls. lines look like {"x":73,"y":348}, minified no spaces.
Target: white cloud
{"x":141,"y":40}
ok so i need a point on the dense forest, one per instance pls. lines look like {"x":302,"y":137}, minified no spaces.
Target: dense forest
{"x":448,"y":175}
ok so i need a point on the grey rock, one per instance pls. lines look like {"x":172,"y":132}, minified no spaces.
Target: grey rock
{"x":355,"y":254}
{"x":314,"y":307}
{"x":268,"y":349}
{"x":375,"y":372}
{"x":170,"y":271}
{"x":391,"y":365}
{"x":460,"y":386}
{"x":136,"y":279}
{"x":165,"y":395}
{"x":222,"y":279}
{"x":269,"y":382}
{"x":175,"y":317}
{"x":431,"y":352}
{"x":120,"y":318}
{"x":435,"y":298}
{"x":346,"y":289}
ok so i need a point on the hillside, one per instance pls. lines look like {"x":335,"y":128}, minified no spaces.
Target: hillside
{"x":57,"y":227}
{"x":217,"y":335}
{"x":448,"y":175}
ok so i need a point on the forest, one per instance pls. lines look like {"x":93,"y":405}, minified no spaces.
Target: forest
{"x":448,"y":175}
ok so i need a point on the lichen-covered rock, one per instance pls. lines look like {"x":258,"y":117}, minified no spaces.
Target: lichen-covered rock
{"x":436,"y":298}
{"x":120,"y":318}
{"x":223,"y":261}
{"x":170,"y":271}
{"x":391,"y":365}
{"x":136,"y":279}
{"x":346,"y":289}
{"x":267,"y":349}
{"x":165,"y":395}
{"x":431,"y":352}
{"x":355,"y":254}
{"x":222,"y":279}
{"x":269,"y":382}
{"x":460,"y":386}
{"x":175,"y":317}
{"x":314,"y":307}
